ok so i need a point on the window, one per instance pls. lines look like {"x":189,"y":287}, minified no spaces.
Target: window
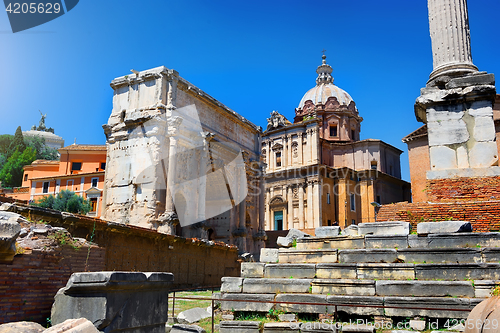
{"x":103,"y":165}
{"x":353,"y":202}
{"x":95,"y":182}
{"x":333,"y":130}
{"x":329,"y":223}
{"x":25,"y":177}
{"x":390,"y":170}
{"x":378,"y":199}
{"x":374,"y":165}
{"x":76,"y":166}
{"x":328,"y":198}
{"x":278,"y":159}
{"x":69,"y":184}
{"x":353,"y":221}
{"x":353,"y":134}
{"x":93,"y":204}
{"x":45,"y":187}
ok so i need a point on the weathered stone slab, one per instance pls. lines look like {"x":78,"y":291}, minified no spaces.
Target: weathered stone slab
{"x":284,"y":241}
{"x":364,"y":301}
{"x":385,"y":271}
{"x":252,"y":269}
{"x":239,"y":327}
{"x":343,"y":287}
{"x":347,"y":242}
{"x":80,"y":325}
{"x":318,"y":327}
{"x":386,"y":242}
{"x":444,"y":307}
{"x":241,"y":302}
{"x":351,"y":230}
{"x":457,"y":272}
{"x":307,"y":256}
{"x":367,"y":255}
{"x":301,"y":298}
{"x":126,"y":301}
{"x":491,"y":254}
{"x":474,"y":239}
{"x":9,"y":231}
{"x":21,"y":327}
{"x":231,"y":285}
{"x":281,"y":328}
{"x":417,"y":242}
{"x":483,"y":288}
{"x":185,"y":328}
{"x":447,"y":255}
{"x":330,"y":231}
{"x":424,"y":228}
{"x":336,"y":271}
{"x":296,"y":271}
{"x":268,"y":255}
{"x":424,"y":288}
{"x":287,"y":317}
{"x":358,"y":328}
{"x":313,"y":243}
{"x":259,"y":285}
{"x":192,"y":315}
{"x":384,"y":228}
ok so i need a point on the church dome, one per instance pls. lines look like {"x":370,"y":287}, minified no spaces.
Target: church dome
{"x":325,"y":89}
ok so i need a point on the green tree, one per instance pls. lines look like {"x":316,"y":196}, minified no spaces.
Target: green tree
{"x":5,"y":141}
{"x":43,"y":152}
{"x":18,"y":142}
{"x":12,"y":172}
{"x":65,"y":201}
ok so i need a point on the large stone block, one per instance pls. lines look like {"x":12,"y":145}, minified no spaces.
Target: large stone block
{"x":386,"y":242}
{"x":313,"y":243}
{"x":318,"y":327}
{"x":484,"y":317}
{"x":483,"y":288}
{"x":336,"y":271}
{"x":269,"y":255}
{"x":491,"y":254}
{"x":347,"y":242}
{"x":351,"y":230}
{"x":435,"y":307}
{"x":274,"y":286}
{"x":239,"y":327}
{"x":185,"y":328}
{"x":21,"y":327}
{"x":252,"y":269}
{"x":474,"y":239}
{"x":243,"y":302}
{"x":231,"y":285}
{"x":368,"y":255}
{"x":448,"y":255}
{"x":384,"y":228}
{"x":307,"y":256}
{"x":192,"y":315}
{"x":80,"y":325}
{"x":296,"y":271}
{"x":330,"y":231}
{"x":9,"y":231}
{"x":424,"y":288}
{"x":483,"y":154}
{"x":343,"y":287}
{"x":424,"y":228}
{"x":376,"y":271}
{"x":457,"y":272}
{"x":417,"y":242}
{"x":116,"y":301}
{"x":350,"y":303}
{"x":301,"y":298}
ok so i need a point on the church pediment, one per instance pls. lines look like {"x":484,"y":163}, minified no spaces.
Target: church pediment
{"x":278,"y":146}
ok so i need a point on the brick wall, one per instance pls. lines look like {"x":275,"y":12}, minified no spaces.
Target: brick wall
{"x":29,"y":284}
{"x":418,"y":154}
{"x":484,"y":215}
{"x":464,"y":189}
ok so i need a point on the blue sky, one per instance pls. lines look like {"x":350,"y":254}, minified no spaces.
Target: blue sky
{"x":253,"y":56}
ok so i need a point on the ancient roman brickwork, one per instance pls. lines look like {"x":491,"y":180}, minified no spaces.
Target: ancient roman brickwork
{"x":463,"y":189}
{"x":29,"y":284}
{"x":484,"y":215}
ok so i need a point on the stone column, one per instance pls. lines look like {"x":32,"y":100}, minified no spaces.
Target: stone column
{"x":300,"y":149}
{"x":301,"y":206}
{"x":284,"y":153}
{"x":272,"y":158}
{"x":262,"y":203}
{"x":316,"y":200}
{"x":315,"y":145}
{"x":310,"y":205}
{"x":172,"y":151}
{"x":290,"y":207}
{"x":309,"y":146}
{"x":269,"y":214}
{"x":290,"y":156}
{"x":450,"y":35}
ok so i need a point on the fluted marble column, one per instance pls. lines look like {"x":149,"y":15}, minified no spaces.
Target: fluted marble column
{"x":450,"y":35}
{"x":301,"y":206}
{"x":289,"y":224}
{"x":301,"y":150}
{"x":310,"y":205}
{"x":290,"y":160}
{"x":268,"y":215}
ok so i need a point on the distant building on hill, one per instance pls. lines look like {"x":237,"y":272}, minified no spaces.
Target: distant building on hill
{"x":41,"y":131}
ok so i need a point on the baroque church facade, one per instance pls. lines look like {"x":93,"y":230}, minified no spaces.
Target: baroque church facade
{"x":318,"y":171}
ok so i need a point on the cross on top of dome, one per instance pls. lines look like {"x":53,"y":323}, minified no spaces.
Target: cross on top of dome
{"x":324,"y":72}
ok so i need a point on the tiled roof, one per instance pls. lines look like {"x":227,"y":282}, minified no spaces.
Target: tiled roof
{"x":76,"y":175}
{"x":418,"y":133}
{"x":85,"y":147}
{"x":44,"y":162}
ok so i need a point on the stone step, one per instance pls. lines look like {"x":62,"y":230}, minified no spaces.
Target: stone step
{"x":448,"y":240}
{"x":407,"y":255}
{"x":396,"y":306}
{"x":380,"y":271}
{"x":357,"y":287}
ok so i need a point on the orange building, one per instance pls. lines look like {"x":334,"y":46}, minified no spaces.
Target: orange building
{"x":80,"y":169}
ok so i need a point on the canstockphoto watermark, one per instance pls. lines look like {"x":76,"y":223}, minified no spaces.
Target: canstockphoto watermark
{"x":25,"y":15}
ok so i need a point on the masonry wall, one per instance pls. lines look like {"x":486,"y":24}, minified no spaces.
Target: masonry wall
{"x":418,"y":154}
{"x":29,"y":284}
{"x":484,"y":215}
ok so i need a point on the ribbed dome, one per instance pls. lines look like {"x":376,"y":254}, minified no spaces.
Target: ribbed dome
{"x":322,"y":92}
{"x":325,"y":88}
